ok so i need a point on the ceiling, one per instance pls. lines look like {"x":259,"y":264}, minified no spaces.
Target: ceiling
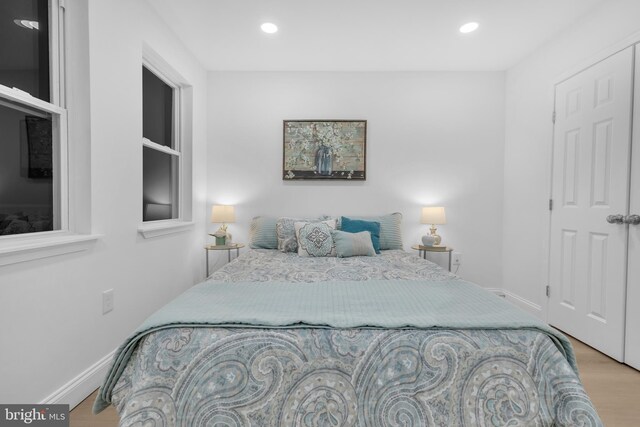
{"x":363,"y":35}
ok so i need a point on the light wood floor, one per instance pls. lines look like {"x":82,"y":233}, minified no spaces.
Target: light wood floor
{"x":81,"y":415}
{"x":614,"y":389}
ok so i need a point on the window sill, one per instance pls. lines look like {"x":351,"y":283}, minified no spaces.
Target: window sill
{"x":28,"y":249}
{"x":162,"y":228}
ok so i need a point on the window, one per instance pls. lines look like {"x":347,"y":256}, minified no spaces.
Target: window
{"x":161,"y":153}
{"x":33,"y":178}
{"x":167,"y":112}
{"x":37,"y":184}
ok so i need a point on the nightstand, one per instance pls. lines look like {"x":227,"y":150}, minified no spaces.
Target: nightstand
{"x":228,"y":248}
{"x":422,"y":251}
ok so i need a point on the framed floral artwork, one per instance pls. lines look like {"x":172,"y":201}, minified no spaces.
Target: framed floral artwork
{"x":40,"y":146}
{"x":324,"y":149}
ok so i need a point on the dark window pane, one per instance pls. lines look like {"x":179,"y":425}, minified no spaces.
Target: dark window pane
{"x":157,"y":109}
{"x":24,"y":49}
{"x":26,"y":170}
{"x":160,"y":171}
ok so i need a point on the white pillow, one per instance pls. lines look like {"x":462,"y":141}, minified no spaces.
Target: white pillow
{"x":314,"y":238}
{"x":353,"y":244}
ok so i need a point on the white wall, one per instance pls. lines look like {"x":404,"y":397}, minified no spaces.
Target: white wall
{"x":528,"y":137}
{"x":434,"y":138}
{"x":51,"y":309}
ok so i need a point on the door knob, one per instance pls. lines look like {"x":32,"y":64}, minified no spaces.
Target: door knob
{"x":615,"y":219}
{"x":632,"y":219}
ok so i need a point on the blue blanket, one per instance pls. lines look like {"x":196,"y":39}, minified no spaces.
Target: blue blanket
{"x":395,"y":304}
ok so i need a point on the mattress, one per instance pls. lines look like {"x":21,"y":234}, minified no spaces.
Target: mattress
{"x":292,"y":354}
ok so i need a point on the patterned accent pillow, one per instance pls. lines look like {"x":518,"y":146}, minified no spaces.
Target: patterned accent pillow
{"x":314,"y":238}
{"x":353,"y":244}
{"x":286,"y":234}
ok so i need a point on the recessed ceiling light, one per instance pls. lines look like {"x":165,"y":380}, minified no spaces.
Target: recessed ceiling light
{"x":269,"y":28}
{"x":469,"y":27}
{"x":25,"y":23}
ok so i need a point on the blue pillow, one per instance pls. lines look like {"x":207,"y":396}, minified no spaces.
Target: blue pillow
{"x":357,"y":225}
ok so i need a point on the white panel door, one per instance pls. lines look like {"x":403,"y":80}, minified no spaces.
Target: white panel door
{"x":591,"y":152}
{"x":632,"y":341}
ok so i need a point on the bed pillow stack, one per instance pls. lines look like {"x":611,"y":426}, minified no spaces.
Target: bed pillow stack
{"x":280,"y":233}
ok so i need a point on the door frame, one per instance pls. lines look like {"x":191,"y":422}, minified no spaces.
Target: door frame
{"x":632,"y":40}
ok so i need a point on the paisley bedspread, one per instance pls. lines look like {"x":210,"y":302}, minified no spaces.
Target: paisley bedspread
{"x":265,"y":265}
{"x":235,"y":376}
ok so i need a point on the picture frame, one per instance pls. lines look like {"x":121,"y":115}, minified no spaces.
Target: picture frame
{"x":40,"y":147}
{"x":324,"y":150}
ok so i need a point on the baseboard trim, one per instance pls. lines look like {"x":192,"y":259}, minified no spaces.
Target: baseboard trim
{"x":497,"y":291}
{"x":519,"y":301}
{"x":76,"y":390}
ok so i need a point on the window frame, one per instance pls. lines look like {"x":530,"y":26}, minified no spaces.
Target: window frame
{"x":180,"y":142}
{"x":66,"y":238}
{"x":60,"y":158}
{"x":176,"y":137}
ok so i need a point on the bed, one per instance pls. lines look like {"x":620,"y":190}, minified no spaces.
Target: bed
{"x":275,"y":339}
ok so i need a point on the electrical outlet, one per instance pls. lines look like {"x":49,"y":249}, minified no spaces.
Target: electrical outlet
{"x":107,"y":301}
{"x":456,"y":258}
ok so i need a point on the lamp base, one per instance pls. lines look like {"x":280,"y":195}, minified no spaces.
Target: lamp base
{"x":220,"y":241}
{"x":437,"y":238}
{"x":428,"y":240}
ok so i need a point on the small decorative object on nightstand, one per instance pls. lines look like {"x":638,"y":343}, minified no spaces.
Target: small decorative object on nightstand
{"x":434,"y":216}
{"x":428,"y":240}
{"x":221,"y":237}
{"x":422,"y":251}
{"x":222,"y":214}
{"x":228,"y":248}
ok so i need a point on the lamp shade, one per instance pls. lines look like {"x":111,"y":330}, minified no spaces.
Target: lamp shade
{"x":433,"y":215}
{"x":223,"y":214}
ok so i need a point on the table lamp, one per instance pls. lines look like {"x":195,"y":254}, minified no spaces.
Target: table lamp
{"x":434,"y":216}
{"x":222,"y":214}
